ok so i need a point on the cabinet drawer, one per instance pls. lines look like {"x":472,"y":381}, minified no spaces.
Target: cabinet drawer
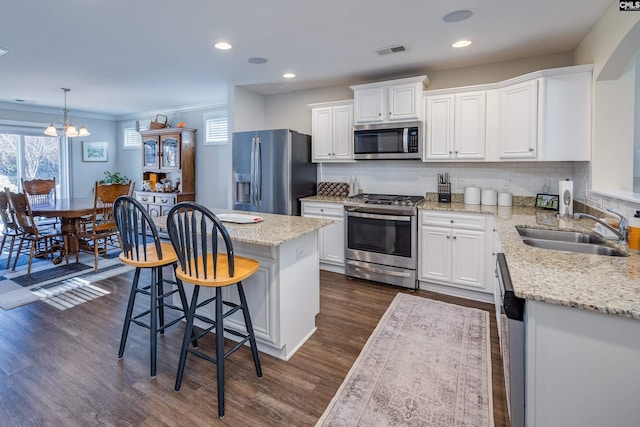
{"x":453,"y":220}
{"x":165,"y":200}
{"x":144,"y":198}
{"x":323,"y":209}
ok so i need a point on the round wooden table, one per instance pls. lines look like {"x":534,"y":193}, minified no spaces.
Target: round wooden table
{"x":70,"y":211}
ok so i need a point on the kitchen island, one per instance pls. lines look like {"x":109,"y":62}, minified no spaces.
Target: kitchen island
{"x":284,"y":294}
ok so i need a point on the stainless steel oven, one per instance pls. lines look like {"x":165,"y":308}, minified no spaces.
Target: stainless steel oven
{"x":381,"y":239}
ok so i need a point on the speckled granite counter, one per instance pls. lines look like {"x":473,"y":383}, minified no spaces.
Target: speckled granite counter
{"x":591,"y":282}
{"x":273,"y":231}
{"x":325,"y":199}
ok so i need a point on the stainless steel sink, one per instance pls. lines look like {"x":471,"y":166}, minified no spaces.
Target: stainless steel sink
{"x":560,"y":235}
{"x":567,"y":241}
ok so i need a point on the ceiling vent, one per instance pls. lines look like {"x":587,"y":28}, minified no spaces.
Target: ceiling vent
{"x":392,"y":49}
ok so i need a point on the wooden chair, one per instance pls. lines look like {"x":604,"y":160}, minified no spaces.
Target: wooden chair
{"x":134,"y":225}
{"x":41,"y":191}
{"x":9,"y":227}
{"x":194,"y":232}
{"x":99,"y":231}
{"x":47,"y":240}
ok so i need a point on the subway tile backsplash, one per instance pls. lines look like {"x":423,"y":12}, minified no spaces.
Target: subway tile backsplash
{"x":416,"y":178}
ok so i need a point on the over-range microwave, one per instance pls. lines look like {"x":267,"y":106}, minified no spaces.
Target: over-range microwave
{"x":388,"y":141}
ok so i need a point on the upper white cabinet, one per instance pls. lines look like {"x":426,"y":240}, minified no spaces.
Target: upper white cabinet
{"x":455,"y":126}
{"x":518,"y":128}
{"x":393,"y":100}
{"x":332,"y":131}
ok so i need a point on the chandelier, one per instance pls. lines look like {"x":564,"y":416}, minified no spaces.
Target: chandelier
{"x":68,"y":128}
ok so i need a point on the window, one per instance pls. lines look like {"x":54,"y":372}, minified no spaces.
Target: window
{"x":132,"y":137}
{"x":216,"y":128}
{"x":26,"y":155}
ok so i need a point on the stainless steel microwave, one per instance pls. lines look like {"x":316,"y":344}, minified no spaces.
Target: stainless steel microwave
{"x":388,"y":141}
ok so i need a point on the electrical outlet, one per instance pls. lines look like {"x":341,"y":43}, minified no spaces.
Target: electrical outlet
{"x":506,"y":185}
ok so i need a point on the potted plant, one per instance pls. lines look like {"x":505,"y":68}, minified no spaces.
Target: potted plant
{"x":114,"y":178}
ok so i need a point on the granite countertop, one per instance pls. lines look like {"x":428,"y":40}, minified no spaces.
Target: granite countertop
{"x":325,"y":199}
{"x":591,"y":282}
{"x":274,"y":230}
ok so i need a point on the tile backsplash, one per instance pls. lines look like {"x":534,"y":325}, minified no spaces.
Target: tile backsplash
{"x":417,"y":178}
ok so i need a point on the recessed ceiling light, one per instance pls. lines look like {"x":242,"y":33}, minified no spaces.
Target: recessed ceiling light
{"x":288,"y":75}
{"x":257,"y":60}
{"x":3,"y":51}
{"x":461,"y":43}
{"x":222,"y":46}
{"x":457,"y":16}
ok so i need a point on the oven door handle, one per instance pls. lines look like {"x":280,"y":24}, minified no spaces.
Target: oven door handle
{"x":375,"y":216}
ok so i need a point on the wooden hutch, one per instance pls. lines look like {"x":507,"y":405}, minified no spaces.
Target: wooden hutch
{"x":168,"y":165}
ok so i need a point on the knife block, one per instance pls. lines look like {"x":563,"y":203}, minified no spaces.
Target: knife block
{"x":444,"y":193}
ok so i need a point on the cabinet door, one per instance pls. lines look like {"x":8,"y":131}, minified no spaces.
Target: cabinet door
{"x":343,"y":132}
{"x":150,"y":153}
{"x":435,"y":254}
{"x":369,"y":105}
{"x":519,"y":121}
{"x":154,"y":211}
{"x":170,"y":155}
{"x":403,"y":102}
{"x":468,"y":258}
{"x":470,"y":125}
{"x":322,"y":131}
{"x":439,"y":123}
{"x":332,"y":242}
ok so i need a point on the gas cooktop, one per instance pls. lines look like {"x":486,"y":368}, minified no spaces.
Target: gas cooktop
{"x":386,"y":200}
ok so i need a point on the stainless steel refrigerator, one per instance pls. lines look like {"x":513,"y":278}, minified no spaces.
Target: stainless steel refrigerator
{"x":272,"y":170}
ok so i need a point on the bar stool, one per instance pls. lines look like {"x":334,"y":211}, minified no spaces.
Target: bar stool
{"x":134,"y":228}
{"x":194,"y":231}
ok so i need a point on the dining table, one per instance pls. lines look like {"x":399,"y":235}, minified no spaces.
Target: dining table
{"x":70,"y":211}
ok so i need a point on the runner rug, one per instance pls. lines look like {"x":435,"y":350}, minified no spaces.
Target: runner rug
{"x":427,"y":363}
{"x":62,"y":286}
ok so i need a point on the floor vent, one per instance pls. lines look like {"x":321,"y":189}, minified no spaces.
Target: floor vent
{"x":392,"y":49}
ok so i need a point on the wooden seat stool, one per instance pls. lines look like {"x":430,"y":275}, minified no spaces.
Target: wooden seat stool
{"x":135,"y":227}
{"x":194,"y":232}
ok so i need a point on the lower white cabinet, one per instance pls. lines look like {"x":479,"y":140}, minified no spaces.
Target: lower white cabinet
{"x":330,"y":238}
{"x":454,"y":251}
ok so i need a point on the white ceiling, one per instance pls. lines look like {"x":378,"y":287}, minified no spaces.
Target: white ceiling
{"x":130,"y":56}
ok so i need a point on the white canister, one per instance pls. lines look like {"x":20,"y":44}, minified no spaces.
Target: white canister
{"x":472,"y":195}
{"x":489,"y":197}
{"x":505,"y":199}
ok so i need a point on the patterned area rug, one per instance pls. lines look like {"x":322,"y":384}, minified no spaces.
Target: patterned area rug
{"x":427,"y":363}
{"x":62,"y":286}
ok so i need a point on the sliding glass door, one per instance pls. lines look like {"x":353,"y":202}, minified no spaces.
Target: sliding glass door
{"x":29,"y":155}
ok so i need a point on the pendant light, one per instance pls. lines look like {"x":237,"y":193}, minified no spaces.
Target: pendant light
{"x":67,"y":127}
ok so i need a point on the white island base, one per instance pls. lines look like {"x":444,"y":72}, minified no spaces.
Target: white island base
{"x":283,"y":295}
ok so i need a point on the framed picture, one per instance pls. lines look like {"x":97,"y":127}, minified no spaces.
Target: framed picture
{"x":95,"y":151}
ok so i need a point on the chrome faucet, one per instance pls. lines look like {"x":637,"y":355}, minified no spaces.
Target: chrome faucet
{"x":623,"y":227}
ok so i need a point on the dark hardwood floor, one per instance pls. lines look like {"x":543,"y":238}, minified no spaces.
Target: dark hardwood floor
{"x":60,"y":368}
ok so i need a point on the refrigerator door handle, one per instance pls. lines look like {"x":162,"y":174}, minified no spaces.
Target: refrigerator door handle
{"x":258,"y":172}
{"x":252,"y":185}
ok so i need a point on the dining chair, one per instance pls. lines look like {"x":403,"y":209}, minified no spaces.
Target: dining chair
{"x":194,"y":231}
{"x":46,"y":240}
{"x":9,"y":227}
{"x":136,"y":227}
{"x":41,"y":191}
{"x":99,"y":232}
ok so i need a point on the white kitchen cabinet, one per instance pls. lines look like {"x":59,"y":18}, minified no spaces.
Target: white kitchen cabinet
{"x":389,"y":101}
{"x":332,"y":131}
{"x":518,"y":121}
{"x":455,"y":126}
{"x":455,"y":252}
{"x":331,"y":239}
{"x":565,"y":116}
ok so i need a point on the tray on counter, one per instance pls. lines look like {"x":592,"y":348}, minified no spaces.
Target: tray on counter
{"x":239,"y":218}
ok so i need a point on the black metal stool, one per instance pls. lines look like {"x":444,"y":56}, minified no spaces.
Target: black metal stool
{"x":194,"y":232}
{"x":134,"y":227}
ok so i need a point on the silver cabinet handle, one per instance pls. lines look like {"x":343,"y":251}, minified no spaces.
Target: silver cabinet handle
{"x":530,"y":149}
